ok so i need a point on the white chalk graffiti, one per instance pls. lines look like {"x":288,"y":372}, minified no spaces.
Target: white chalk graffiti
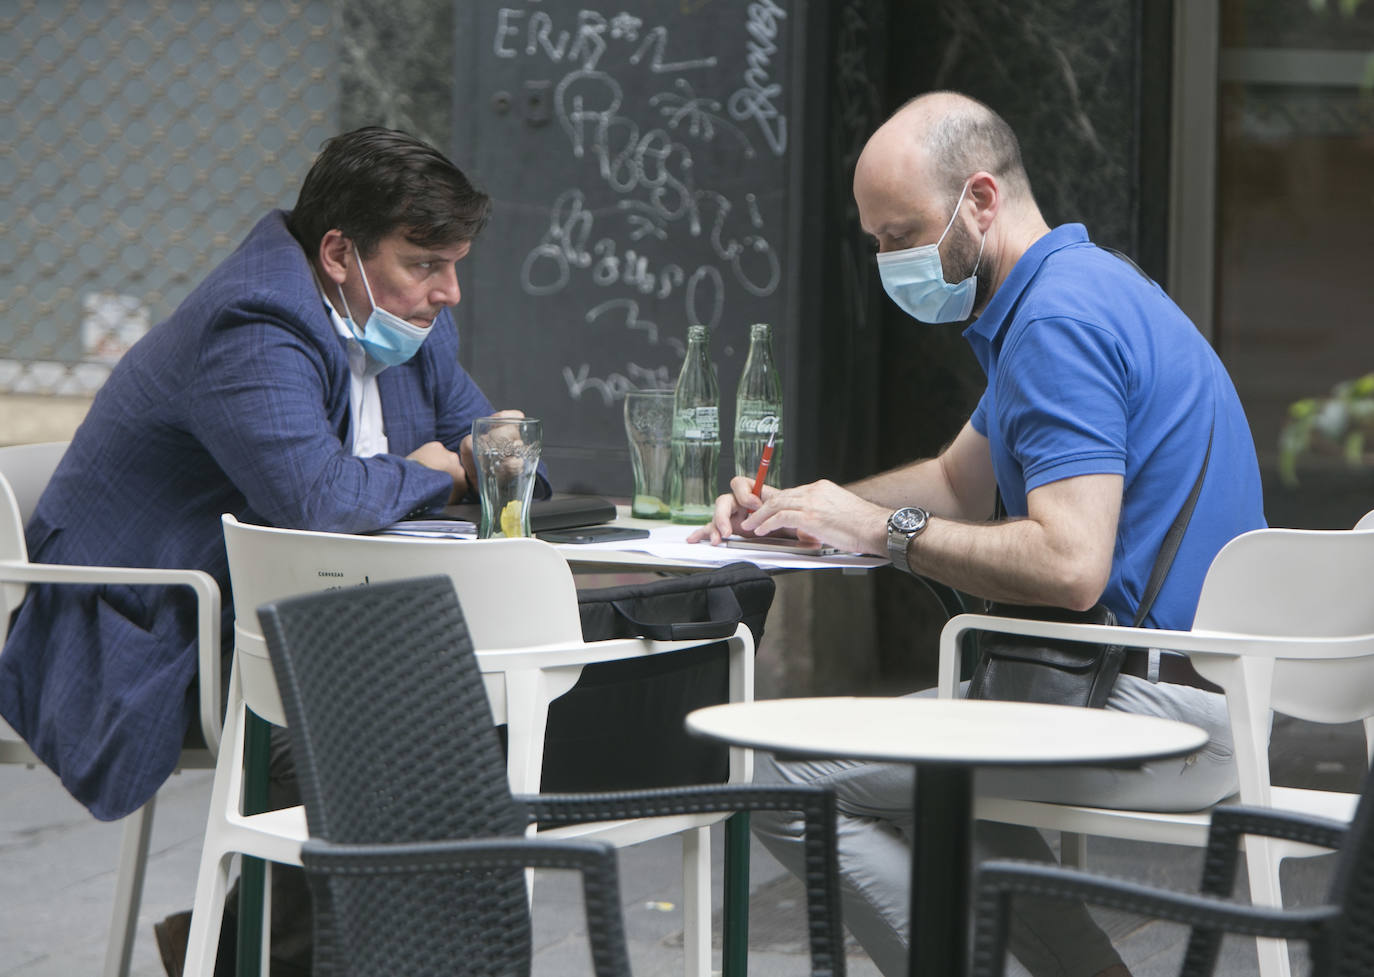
{"x":756,"y":100}
{"x":657,"y":39}
{"x":585,"y":45}
{"x":700,"y":114}
{"x":613,"y":386}
{"x":641,"y":111}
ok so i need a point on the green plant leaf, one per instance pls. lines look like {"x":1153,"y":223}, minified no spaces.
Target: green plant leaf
{"x":1302,"y":409}
{"x":1354,"y":448}
{"x":1294,"y":440}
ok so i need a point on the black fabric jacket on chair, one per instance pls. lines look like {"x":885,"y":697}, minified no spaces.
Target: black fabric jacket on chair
{"x":417,"y":847}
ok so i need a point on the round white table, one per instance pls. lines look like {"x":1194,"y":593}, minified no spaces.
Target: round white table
{"x":945,"y":740}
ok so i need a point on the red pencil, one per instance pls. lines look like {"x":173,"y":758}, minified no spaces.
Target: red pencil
{"x":763,"y":464}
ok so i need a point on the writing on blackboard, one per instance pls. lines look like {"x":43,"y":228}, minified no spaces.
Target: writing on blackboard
{"x":756,"y":100}
{"x":612,"y":388}
{"x":665,"y":219}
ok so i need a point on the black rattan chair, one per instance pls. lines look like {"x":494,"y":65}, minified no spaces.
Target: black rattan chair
{"x":417,"y":847}
{"x":1339,"y":933}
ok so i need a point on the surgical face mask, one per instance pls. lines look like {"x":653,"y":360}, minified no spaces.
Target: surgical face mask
{"x":915,"y":279}
{"x":387,"y":339}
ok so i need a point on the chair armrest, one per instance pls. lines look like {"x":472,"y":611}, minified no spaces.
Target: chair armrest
{"x":595,"y":860}
{"x":207,"y":617}
{"x":816,"y":805}
{"x":1231,"y":644}
{"x":998,"y":881}
{"x":551,"y":810}
{"x":1230,"y":823}
{"x":591,"y":652}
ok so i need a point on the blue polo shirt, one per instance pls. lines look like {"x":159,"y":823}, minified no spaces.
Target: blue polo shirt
{"x":1092,"y":369}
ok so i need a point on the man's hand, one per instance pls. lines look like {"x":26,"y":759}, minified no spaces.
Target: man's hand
{"x":821,"y":512}
{"x":469,"y":463}
{"x":433,"y":454}
{"x":731,"y":510}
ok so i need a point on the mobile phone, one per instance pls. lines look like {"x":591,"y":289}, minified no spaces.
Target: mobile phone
{"x":786,"y":544}
{"x":592,"y":534}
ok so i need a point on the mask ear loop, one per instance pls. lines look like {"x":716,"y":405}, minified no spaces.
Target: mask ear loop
{"x":982,"y":241}
{"x":366,"y":287}
{"x":347,"y":311}
{"x":955,"y":214}
{"x":979,"y":260}
{"x":339,"y":287}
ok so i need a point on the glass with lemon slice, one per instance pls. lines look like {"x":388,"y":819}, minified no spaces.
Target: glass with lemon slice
{"x":649,"y":428}
{"x":506,"y":450}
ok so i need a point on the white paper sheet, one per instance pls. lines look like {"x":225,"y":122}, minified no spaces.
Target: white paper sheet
{"x":431,"y":528}
{"x":669,"y":542}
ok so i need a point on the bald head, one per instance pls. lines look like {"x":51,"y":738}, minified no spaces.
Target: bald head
{"x":945,"y":171}
{"x":937,"y":141}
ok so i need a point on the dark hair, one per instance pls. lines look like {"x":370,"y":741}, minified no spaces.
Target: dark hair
{"x":371,"y":182}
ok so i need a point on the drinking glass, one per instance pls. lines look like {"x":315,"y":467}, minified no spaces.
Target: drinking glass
{"x":506,"y":450}
{"x":649,"y":427}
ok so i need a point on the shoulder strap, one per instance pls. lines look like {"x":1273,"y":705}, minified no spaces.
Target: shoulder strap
{"x":1169,"y":548}
{"x":1123,"y":256}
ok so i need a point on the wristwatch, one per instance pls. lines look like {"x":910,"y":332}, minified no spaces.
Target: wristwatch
{"x":903,"y":526}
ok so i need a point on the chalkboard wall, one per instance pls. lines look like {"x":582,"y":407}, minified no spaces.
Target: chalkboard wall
{"x":644,"y":164}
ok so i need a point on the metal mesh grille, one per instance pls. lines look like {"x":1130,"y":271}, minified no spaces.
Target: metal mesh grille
{"x":139,"y":141}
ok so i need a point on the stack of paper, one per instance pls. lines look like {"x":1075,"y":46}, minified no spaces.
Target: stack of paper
{"x":433,"y":528}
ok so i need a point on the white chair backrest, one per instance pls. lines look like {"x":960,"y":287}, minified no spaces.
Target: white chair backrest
{"x":25,"y":470}
{"x":28,"y":468}
{"x":514,"y":592}
{"x":1366,"y":520}
{"x":1305,"y":584}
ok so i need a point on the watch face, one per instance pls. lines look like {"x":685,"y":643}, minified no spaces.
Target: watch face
{"x":907,"y":520}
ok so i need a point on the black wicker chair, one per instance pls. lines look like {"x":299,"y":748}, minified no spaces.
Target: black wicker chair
{"x":417,"y":847}
{"x":1339,"y":933}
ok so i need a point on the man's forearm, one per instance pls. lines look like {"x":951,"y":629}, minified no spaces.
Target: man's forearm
{"x":1006,"y":561}
{"x":921,"y":483}
{"x":1060,"y":555}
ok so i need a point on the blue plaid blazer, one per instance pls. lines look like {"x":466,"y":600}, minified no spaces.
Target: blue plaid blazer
{"x":237,"y":403}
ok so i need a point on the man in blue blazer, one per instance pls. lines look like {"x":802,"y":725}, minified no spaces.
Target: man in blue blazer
{"x":311,"y":381}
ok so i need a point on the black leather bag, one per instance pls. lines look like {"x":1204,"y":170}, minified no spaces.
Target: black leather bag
{"x":621,"y":726}
{"x":1022,"y":669}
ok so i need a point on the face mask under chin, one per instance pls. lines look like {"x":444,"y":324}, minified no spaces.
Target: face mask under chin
{"x":387,"y":339}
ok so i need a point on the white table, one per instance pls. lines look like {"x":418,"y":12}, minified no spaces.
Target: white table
{"x":629,"y":555}
{"x":945,"y":740}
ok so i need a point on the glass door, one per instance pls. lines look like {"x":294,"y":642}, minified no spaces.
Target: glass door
{"x":1294,"y":257}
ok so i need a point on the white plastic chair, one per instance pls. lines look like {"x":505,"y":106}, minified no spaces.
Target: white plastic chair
{"x":1284,"y":623}
{"x":24,"y":472}
{"x":520,"y":603}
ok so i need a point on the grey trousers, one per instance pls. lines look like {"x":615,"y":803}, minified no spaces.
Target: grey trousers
{"x":1050,"y":938}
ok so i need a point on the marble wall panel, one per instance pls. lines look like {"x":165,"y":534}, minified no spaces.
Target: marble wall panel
{"x":1065,"y":74}
{"x":396,"y":66}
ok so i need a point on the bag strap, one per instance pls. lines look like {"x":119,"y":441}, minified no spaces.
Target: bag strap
{"x":1173,"y":539}
{"x":721,"y":604}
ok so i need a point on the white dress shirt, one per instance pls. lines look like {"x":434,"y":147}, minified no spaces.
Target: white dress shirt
{"x":364,"y":400}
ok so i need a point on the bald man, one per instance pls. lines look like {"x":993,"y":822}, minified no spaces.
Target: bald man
{"x":1101,"y":402}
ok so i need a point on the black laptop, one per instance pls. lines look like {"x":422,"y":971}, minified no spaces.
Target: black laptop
{"x":560,"y":511}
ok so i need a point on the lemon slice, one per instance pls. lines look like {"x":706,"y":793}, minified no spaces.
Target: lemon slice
{"x":650,"y":506}
{"x":510,"y":519}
